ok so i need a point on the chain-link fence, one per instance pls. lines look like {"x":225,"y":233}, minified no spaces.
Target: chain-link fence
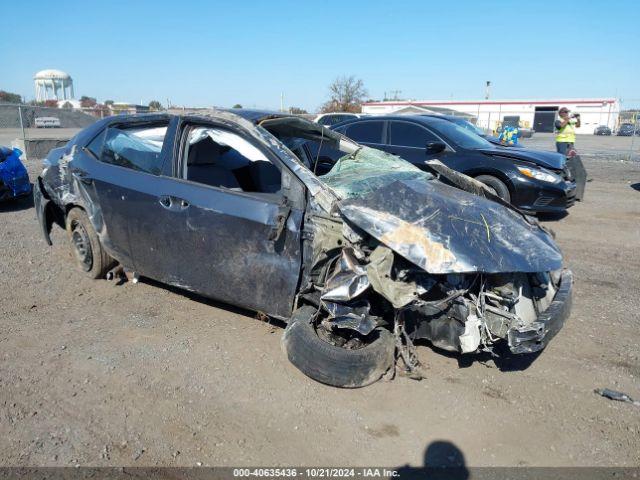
{"x":36,"y":130}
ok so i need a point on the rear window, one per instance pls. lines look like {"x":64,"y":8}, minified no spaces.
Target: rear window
{"x":329,"y":120}
{"x":135,"y":148}
{"x":365,"y":132}
{"x":407,"y":134}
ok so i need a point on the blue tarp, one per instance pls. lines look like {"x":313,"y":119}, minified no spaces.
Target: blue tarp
{"x":14,"y":179}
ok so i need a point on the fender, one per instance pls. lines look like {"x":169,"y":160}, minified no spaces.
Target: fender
{"x":45,"y":216}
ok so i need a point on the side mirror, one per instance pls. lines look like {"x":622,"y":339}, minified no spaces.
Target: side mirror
{"x":436,"y":147}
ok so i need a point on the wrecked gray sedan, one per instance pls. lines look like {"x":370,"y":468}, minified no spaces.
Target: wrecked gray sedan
{"x":360,"y":262}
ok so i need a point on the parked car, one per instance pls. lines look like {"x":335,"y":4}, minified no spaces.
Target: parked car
{"x":328,"y":119}
{"x":534,"y":181}
{"x":626,"y":130}
{"x":14,"y":179}
{"x":602,"y":130}
{"x":47,"y":122}
{"x":358,"y":262}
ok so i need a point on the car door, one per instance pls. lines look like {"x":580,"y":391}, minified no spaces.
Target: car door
{"x":104,"y":178}
{"x":410,"y":141}
{"x":236,"y":218}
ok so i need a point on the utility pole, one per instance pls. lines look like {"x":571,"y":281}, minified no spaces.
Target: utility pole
{"x":282,"y":101}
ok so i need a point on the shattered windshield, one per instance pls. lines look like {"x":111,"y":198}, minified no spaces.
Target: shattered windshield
{"x":368,"y":169}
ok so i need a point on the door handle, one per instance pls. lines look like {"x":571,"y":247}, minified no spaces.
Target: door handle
{"x":165,"y":201}
{"x":173,"y":203}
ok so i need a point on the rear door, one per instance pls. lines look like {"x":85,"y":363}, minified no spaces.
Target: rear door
{"x":133,"y":167}
{"x":112,"y":169}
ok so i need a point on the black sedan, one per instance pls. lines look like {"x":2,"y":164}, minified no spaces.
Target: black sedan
{"x":627,"y":130}
{"x":534,"y":181}
{"x":602,"y":130}
{"x":358,"y":262}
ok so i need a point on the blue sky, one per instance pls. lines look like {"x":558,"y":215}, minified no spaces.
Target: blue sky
{"x":199,"y":53}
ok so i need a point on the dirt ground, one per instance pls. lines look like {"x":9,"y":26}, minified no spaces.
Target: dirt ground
{"x":93,"y":373}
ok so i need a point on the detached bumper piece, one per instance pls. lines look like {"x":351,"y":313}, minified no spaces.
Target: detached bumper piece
{"x":536,"y":336}
{"x":41,"y":202}
{"x":578,"y":174}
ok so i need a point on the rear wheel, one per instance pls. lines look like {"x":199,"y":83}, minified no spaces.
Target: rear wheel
{"x":356,"y":362}
{"x":85,"y":245}
{"x":496,"y":186}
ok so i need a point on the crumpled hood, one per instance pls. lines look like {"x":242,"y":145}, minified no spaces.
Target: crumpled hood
{"x":446,"y":230}
{"x":552,"y":160}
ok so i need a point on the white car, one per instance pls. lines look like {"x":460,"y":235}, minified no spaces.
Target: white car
{"x":47,"y":122}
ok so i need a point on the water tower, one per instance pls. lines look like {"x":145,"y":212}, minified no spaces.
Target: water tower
{"x":53,"y":85}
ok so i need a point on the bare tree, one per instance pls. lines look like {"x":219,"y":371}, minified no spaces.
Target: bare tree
{"x":346,"y":94}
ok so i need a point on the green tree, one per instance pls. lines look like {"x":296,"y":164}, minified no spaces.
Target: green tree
{"x":108,"y":103}
{"x":67,"y":105}
{"x":297,"y":110}
{"x":8,"y":97}
{"x":87,"y":102}
{"x":155,"y":105}
{"x":237,"y":105}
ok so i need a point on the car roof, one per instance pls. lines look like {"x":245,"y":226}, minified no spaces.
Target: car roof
{"x":255,"y":115}
{"x":426,"y":120}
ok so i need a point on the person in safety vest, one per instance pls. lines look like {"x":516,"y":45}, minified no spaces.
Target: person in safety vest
{"x":566,"y":126}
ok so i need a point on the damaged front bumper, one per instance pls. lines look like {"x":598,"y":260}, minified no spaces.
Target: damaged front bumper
{"x":535,"y":336}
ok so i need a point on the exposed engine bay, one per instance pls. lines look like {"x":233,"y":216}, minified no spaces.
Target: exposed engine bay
{"x":363,"y":285}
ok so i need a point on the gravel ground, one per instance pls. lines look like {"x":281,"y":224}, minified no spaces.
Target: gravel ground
{"x":92,"y":373}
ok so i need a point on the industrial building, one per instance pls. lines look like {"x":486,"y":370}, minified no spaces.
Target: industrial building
{"x":490,"y":114}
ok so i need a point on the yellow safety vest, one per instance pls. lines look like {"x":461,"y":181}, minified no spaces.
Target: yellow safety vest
{"x":566,"y":134}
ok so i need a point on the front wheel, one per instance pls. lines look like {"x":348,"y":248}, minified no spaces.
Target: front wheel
{"x":355,"y":364}
{"x":496,"y":186}
{"x":85,"y":245}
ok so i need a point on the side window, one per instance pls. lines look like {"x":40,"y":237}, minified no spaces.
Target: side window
{"x":327,"y":120}
{"x":365,"y":132}
{"x":407,"y":134}
{"x":95,"y":145}
{"x":221,"y":158}
{"x":137,"y":148}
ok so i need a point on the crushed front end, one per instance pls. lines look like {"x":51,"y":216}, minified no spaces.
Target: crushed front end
{"x":405,"y":252}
